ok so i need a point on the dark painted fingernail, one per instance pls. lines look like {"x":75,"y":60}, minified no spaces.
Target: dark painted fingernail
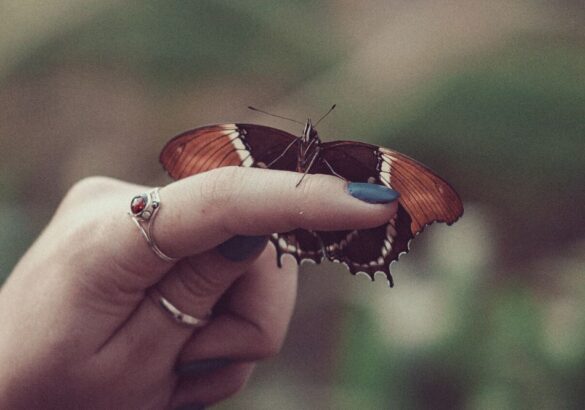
{"x":372,"y":193}
{"x":192,"y":406}
{"x":239,"y":247}
{"x":199,"y":367}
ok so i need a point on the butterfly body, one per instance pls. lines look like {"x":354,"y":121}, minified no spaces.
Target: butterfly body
{"x":425,"y":197}
{"x":308,"y":147}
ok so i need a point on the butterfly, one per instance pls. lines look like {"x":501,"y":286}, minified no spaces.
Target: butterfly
{"x":424,"y":196}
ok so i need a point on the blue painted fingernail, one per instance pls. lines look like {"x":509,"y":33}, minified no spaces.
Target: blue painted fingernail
{"x":239,"y":247}
{"x":199,"y":367}
{"x":372,"y":193}
{"x":192,"y":406}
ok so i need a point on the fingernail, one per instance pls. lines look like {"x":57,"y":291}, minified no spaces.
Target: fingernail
{"x":199,"y":367}
{"x":192,"y":406}
{"x":239,"y":247}
{"x":372,"y":193}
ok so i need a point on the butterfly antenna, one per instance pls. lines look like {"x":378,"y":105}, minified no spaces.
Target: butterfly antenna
{"x":273,"y":115}
{"x":326,"y":114}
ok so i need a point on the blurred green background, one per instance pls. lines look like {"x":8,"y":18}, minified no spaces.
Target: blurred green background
{"x":489,"y":313}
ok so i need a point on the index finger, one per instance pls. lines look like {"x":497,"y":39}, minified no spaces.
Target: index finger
{"x":202,"y":211}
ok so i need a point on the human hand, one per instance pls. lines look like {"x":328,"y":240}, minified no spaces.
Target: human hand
{"x":82,"y":329}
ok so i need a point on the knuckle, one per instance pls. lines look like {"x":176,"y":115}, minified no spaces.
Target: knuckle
{"x":218,"y":186}
{"x":315,"y":184}
{"x":82,"y":218}
{"x":311,"y":187}
{"x":198,"y":284}
{"x":86,"y":187}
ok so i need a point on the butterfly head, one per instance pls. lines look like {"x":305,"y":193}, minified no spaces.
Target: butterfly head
{"x":309,"y":133}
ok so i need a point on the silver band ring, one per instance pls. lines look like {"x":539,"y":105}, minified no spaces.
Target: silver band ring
{"x":143,"y":210}
{"x":179,"y":317}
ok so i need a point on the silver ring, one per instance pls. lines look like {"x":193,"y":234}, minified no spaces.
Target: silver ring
{"x":143,"y":210}
{"x":179,"y":317}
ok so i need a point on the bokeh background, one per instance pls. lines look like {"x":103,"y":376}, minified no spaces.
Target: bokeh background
{"x":488,"y":313}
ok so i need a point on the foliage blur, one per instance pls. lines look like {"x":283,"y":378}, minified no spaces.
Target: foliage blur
{"x":488,"y":313}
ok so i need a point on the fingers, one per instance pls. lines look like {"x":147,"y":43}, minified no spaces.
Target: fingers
{"x":113,"y":265}
{"x":252,"y":326}
{"x":193,"y":286}
{"x":255,"y":315}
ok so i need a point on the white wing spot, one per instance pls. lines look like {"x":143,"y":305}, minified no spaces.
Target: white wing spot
{"x":386,"y":166}
{"x":343,"y":243}
{"x":236,"y":139}
{"x":390,"y":231}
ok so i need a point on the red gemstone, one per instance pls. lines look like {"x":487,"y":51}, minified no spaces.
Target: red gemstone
{"x":138,"y":204}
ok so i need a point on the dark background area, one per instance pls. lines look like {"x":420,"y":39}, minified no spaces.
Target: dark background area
{"x":488,"y":313}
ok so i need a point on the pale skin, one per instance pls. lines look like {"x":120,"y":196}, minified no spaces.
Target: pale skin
{"x":79,"y":329}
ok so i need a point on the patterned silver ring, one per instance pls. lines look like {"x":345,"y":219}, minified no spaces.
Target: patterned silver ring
{"x":143,"y":210}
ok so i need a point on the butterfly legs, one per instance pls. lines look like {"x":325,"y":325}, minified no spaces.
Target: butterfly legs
{"x":315,"y":155}
{"x":289,"y":146}
{"x":332,"y":170}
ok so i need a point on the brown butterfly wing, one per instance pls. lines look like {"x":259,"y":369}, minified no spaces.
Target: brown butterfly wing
{"x":214,"y":146}
{"x":425,"y":198}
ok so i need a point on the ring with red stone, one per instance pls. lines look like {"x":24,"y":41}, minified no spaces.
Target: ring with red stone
{"x":143,"y":210}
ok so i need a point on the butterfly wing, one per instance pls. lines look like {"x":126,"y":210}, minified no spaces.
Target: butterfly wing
{"x":214,"y":146}
{"x":249,"y":145}
{"x":424,"y":198}
{"x":300,"y":243}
